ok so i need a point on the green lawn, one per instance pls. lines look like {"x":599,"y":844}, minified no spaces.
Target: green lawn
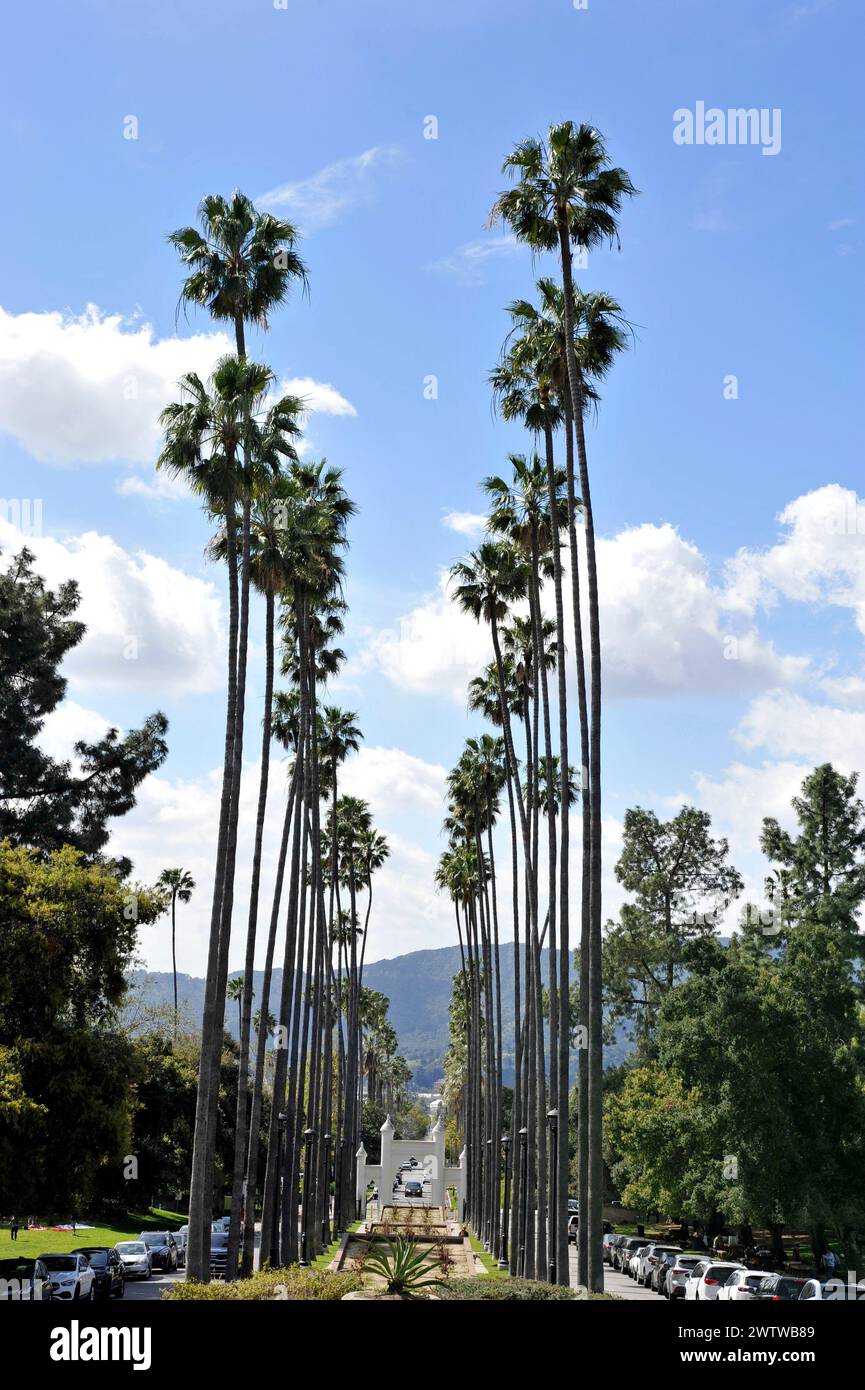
{"x":323,"y":1260}
{"x":32,"y":1243}
{"x":489,"y":1264}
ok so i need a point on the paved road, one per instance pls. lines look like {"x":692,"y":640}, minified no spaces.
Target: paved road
{"x":617,"y":1283}
{"x":147,"y":1290}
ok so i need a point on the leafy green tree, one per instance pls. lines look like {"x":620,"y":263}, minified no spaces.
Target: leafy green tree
{"x":45,"y":803}
{"x":68,"y":933}
{"x":681,"y":883}
{"x":773,"y":1047}
{"x":372,"y":1118}
{"x":819,"y":874}
{"x":661,"y":1147}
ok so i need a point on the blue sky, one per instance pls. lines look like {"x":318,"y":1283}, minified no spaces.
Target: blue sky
{"x":732,"y":262}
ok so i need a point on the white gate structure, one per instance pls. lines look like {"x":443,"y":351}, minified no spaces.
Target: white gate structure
{"x":430,"y":1154}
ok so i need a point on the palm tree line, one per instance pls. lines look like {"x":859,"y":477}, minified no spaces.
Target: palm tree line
{"x":280,"y":528}
{"x":566,"y":195}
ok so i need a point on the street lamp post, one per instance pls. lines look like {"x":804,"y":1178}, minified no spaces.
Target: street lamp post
{"x":338,"y":1217}
{"x":506,"y":1205}
{"x":553,"y":1222}
{"x":325,"y":1211}
{"x":308,"y":1137}
{"x":524,"y":1182}
{"x":277,"y":1196}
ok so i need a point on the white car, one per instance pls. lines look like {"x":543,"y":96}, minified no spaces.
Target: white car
{"x":742,"y":1285}
{"x":831,"y":1291}
{"x":71,"y":1276}
{"x":650,"y":1257}
{"x":706,"y":1279}
{"x":136,"y":1259}
{"x":678,"y":1274}
{"x":634,"y":1261}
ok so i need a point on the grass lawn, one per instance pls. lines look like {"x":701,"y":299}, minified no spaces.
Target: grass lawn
{"x":32,"y":1243}
{"x":323,"y":1260}
{"x":489,"y":1264}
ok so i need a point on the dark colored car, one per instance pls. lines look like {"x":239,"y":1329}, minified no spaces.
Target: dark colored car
{"x":779,"y":1288}
{"x":612,"y":1246}
{"x":107,"y":1266}
{"x":24,"y":1281}
{"x":622,"y":1253}
{"x":218,"y":1252}
{"x":413,"y":1188}
{"x":660,"y":1270}
{"x":162,"y":1247}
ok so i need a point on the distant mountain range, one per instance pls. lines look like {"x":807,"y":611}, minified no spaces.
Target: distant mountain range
{"x":418,"y":986}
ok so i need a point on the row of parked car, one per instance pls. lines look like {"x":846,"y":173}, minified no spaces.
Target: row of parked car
{"x":700,"y":1277}
{"x":92,"y":1271}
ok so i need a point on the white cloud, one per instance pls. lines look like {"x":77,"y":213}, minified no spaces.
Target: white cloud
{"x":150,"y":627}
{"x":839,"y":223}
{"x":66,"y":725}
{"x":820,"y":560}
{"x":664,"y":627}
{"x":435,"y":650}
{"x":393,"y":781}
{"x":175,"y":821}
{"x":320,"y":397}
{"x":742,"y":796}
{"x":162,"y":487}
{"x":90,"y":388}
{"x":465,"y":523}
{"x":788,"y":725}
{"x":468,"y":263}
{"x":321,"y":199}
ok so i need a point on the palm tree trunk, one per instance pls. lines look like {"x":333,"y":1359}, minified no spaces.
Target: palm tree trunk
{"x":240,"y":1132}
{"x":174,"y":956}
{"x":231,"y":846}
{"x":201,"y":1176}
{"x":516,"y":1107}
{"x":559,"y":1089}
{"x":253,"y":1146}
{"x":586,"y":875}
{"x":596,"y":1063}
{"x":289,"y":990}
{"x":297,"y":1063}
{"x":498,"y":1216}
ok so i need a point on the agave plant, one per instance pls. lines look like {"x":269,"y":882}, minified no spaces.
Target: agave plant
{"x":402,"y":1265}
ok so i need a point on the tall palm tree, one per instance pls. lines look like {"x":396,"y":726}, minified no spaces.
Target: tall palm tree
{"x":180,"y":884}
{"x":568,"y":193}
{"x":531,"y":384}
{"x":214,"y":438}
{"x":340,"y":735}
{"x":522,"y":510}
{"x":234,"y":991}
{"x":314,"y":535}
{"x":271,"y":498}
{"x":242,"y":264}
{"x":286,"y":732}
